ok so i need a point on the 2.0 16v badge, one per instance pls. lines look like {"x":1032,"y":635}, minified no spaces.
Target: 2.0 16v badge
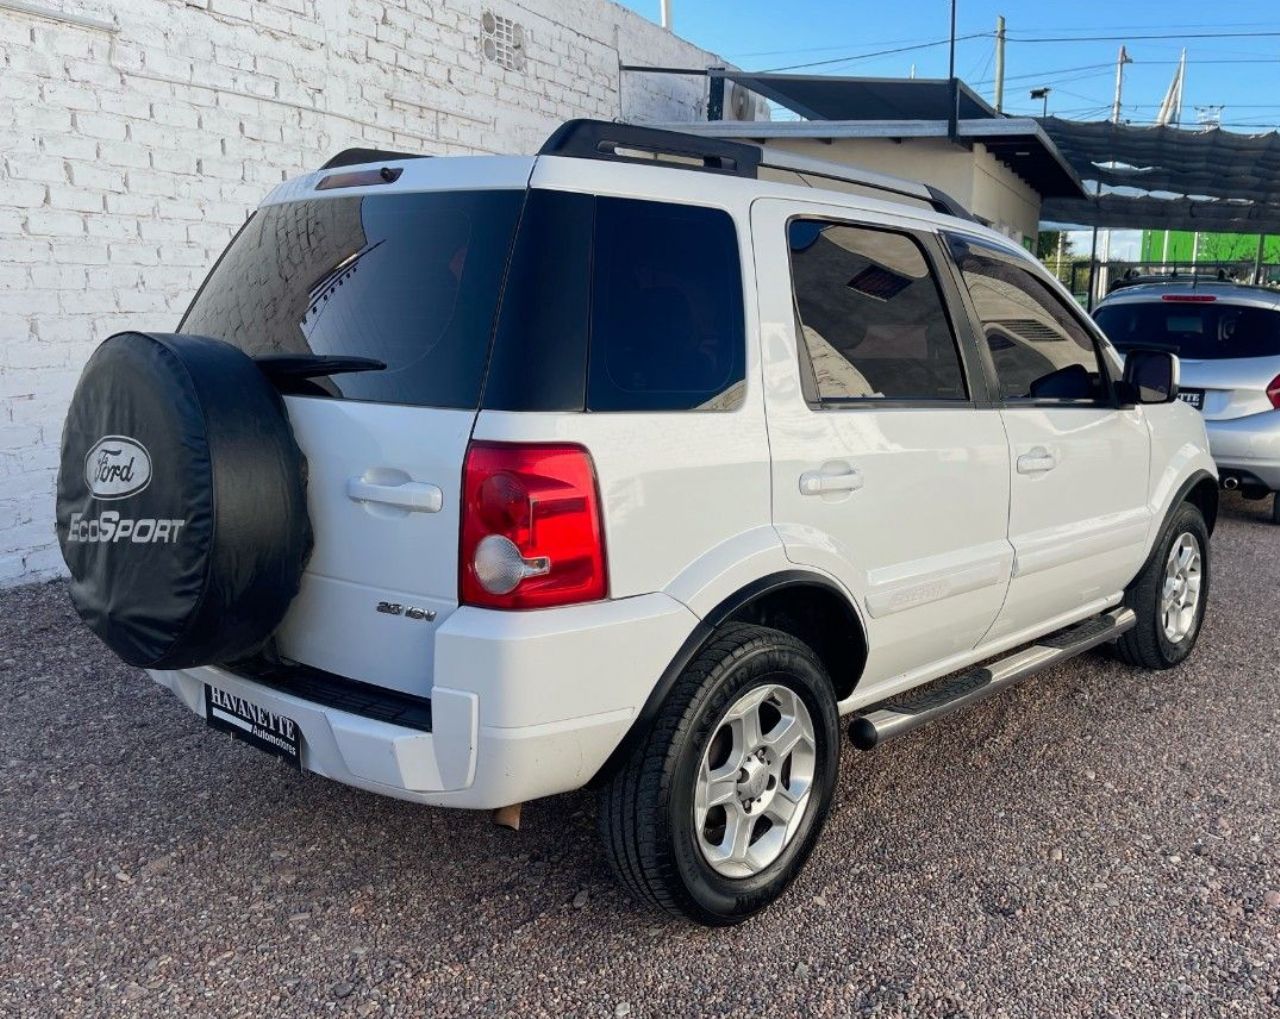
{"x":394,"y":608}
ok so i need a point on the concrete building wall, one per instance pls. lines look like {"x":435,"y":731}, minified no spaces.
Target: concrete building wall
{"x":133,"y":144}
{"x":1004,"y":198}
{"x":974,"y":178}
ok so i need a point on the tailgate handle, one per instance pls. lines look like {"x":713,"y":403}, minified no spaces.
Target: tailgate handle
{"x":415,"y":496}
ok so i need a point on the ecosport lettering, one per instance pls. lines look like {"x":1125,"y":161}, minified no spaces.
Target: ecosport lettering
{"x":110,"y":528}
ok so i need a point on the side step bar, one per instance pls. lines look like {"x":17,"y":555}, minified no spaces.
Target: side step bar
{"x":901,"y":714}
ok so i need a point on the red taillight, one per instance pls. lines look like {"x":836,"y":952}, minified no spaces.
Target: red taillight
{"x":1273,"y":392}
{"x":531,"y":530}
{"x":1188,"y":298}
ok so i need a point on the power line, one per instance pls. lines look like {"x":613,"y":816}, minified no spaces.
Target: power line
{"x":877,"y":53}
{"x":1109,"y":65}
{"x":1132,"y":38}
{"x":1273,"y":23}
{"x":816,"y":49}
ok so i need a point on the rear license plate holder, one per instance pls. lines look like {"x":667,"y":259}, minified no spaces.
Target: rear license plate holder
{"x":1195,"y":397}
{"x":267,"y":730}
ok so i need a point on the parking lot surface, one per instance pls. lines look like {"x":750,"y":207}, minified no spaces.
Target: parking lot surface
{"x":1097,"y":841}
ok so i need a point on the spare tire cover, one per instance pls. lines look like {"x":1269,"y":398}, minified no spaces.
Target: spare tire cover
{"x":181,"y":501}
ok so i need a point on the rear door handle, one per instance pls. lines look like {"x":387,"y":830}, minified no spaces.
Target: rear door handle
{"x":820,"y":482}
{"x":1038,"y":461}
{"x":414,"y":496}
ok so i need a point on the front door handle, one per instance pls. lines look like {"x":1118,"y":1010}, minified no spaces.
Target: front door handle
{"x":414,"y":496}
{"x":847,"y":479}
{"x":1038,"y":461}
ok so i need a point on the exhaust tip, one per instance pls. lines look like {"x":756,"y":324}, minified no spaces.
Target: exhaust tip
{"x":1231,"y":482}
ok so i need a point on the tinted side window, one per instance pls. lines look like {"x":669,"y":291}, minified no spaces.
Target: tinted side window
{"x":871,"y":316}
{"x":1039,"y":348}
{"x":667,"y":311}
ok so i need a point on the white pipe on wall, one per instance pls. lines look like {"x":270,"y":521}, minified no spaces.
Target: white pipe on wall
{"x":53,"y":14}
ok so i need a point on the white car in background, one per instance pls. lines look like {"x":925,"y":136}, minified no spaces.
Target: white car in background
{"x":629,"y":465}
{"x":1227,"y":338}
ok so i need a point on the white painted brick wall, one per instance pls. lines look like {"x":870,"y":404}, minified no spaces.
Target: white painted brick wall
{"x":128,"y":158}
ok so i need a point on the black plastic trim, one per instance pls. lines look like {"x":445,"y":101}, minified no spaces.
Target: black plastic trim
{"x":1184,"y":490}
{"x":356,"y":156}
{"x":944,"y":203}
{"x":600,"y":139}
{"x":334,"y":691}
{"x":694,"y":643}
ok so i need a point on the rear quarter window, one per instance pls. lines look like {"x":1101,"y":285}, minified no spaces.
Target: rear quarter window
{"x":666,"y":317}
{"x":616,"y":304}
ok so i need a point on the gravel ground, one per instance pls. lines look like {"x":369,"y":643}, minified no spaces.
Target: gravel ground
{"x":1097,"y":841}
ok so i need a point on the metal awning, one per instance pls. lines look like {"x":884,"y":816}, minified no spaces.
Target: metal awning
{"x":1169,"y":178}
{"x":1018,"y":142}
{"x":1149,"y":177}
{"x":832,"y":97}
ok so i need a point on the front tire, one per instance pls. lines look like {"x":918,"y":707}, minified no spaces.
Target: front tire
{"x":714,"y":813}
{"x":1169,"y":595}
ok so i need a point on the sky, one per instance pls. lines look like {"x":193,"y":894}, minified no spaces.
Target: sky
{"x":1241,"y":73}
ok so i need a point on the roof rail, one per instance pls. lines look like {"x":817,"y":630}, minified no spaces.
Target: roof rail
{"x":600,"y":139}
{"x":939,"y":200}
{"x":354,"y":157}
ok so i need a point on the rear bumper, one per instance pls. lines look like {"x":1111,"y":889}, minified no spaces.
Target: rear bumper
{"x":1249,"y":445}
{"x":525,"y":704}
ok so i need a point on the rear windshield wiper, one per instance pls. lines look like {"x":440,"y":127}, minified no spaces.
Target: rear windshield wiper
{"x":307,"y":366}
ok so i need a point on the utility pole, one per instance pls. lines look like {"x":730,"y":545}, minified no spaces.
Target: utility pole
{"x":1000,"y":63}
{"x":953,"y":125}
{"x":951,"y":64}
{"x":666,"y":14}
{"x":1122,"y":59}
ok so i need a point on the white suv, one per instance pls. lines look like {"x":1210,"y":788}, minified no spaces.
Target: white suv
{"x":632,"y":465}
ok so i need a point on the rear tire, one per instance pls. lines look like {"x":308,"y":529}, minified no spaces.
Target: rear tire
{"x":1169,"y":595}
{"x":751,"y":728}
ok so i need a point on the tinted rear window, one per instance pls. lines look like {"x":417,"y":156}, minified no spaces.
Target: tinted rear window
{"x":1193,"y":331}
{"x":412,"y":280}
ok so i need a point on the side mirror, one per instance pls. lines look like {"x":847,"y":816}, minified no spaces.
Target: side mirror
{"x":1150,"y":376}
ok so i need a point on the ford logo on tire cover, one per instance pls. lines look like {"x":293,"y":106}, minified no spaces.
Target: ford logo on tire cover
{"x":117,"y":467}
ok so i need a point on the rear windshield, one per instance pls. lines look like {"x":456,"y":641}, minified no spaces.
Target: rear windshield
{"x":1207,"y":331}
{"x":412,"y":280}
{"x":510,"y":300}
